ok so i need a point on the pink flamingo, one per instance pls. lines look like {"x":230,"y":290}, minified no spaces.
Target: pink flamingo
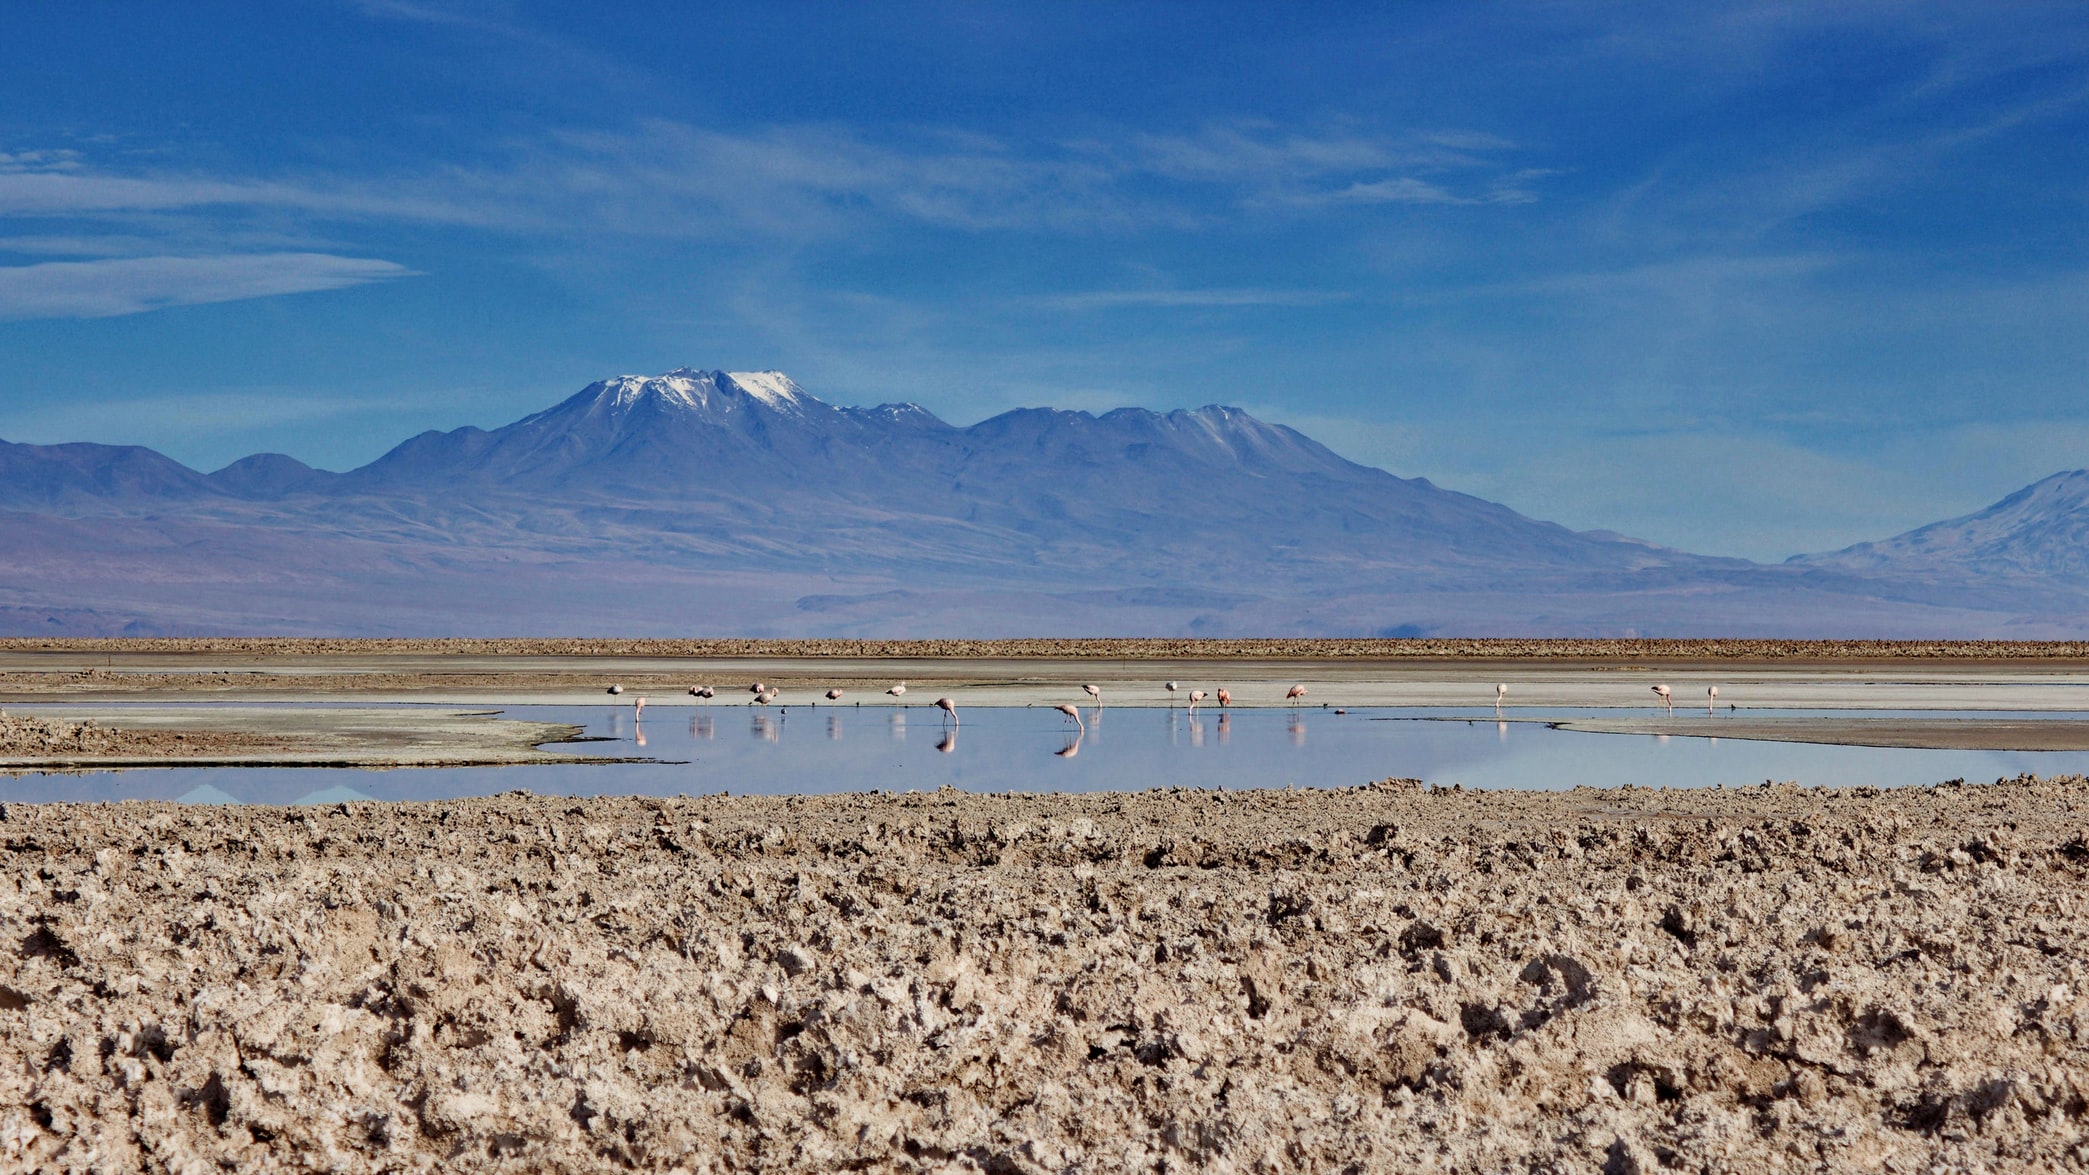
{"x":1196,"y":696}
{"x":1711,"y":698}
{"x":1225,"y":699}
{"x":1296,"y":692}
{"x":1074,"y":712}
{"x":1094,"y":691}
{"x":1666,"y":700}
{"x":834,"y":695}
{"x":949,"y":707}
{"x":1500,"y":692}
{"x":702,"y":691}
{"x":899,"y":690}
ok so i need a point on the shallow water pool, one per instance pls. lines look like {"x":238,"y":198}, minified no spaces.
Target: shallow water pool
{"x":804,"y":750}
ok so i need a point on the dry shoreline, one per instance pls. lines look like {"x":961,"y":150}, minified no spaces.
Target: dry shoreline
{"x":1095,"y":648}
{"x":279,"y":736}
{"x":1386,"y":978}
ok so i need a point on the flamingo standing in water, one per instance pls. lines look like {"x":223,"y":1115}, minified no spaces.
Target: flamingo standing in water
{"x":766,"y":696}
{"x":949,"y":707}
{"x":1666,"y":700}
{"x":1094,"y":691}
{"x":1296,"y":692}
{"x":834,"y":695}
{"x":757,"y":688}
{"x":1172,"y":687}
{"x":1196,"y":696}
{"x":1225,"y":699}
{"x":899,"y":690}
{"x":1711,"y":698}
{"x":1074,"y":712}
{"x":702,"y":691}
{"x":1500,"y":692}
{"x":615,"y":690}
{"x":638,"y":708}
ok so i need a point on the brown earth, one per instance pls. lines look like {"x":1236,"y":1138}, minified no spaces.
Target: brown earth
{"x":1378,"y":979}
{"x":1136,"y":648}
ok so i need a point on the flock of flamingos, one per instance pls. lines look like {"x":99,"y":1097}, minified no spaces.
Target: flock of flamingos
{"x":765,"y":694}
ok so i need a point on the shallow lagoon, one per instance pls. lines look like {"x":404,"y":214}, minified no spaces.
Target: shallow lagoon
{"x":803,"y":750}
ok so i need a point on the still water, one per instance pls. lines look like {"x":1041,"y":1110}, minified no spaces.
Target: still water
{"x":801,"y":750}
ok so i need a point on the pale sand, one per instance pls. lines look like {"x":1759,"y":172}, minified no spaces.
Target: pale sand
{"x":293,"y":736}
{"x":1384,"y":979}
{"x":467,"y":674}
{"x":1964,"y":734}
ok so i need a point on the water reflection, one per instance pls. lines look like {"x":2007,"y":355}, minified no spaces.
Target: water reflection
{"x":1039,"y":749}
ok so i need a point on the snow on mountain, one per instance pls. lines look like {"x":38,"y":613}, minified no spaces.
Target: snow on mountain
{"x":703,"y":500}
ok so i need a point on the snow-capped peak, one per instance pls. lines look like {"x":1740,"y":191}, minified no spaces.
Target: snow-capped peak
{"x":773,"y":388}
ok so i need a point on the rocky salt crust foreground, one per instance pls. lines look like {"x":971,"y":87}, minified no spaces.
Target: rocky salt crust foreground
{"x":1387,"y":978}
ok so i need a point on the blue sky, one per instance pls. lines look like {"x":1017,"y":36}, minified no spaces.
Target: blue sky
{"x":1745,"y":278}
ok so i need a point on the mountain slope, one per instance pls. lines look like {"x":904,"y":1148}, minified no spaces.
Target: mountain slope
{"x":707,"y":501}
{"x":2040,"y":531}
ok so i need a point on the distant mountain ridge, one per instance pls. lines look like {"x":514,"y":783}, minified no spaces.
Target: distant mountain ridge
{"x":738,"y":503}
{"x":2041,"y":530}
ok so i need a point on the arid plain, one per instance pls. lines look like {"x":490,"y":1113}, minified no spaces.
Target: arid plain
{"x":1390,"y":977}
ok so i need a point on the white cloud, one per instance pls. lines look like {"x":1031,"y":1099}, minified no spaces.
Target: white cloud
{"x":132,"y":285}
{"x":1116,"y":299}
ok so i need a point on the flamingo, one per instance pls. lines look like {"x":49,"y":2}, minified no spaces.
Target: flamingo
{"x":1296,"y":692}
{"x":1666,"y":700}
{"x":1074,"y":712}
{"x":898,"y":690}
{"x":702,"y":691}
{"x":834,"y":695}
{"x":766,"y":696}
{"x":1172,"y":687}
{"x":1225,"y":699}
{"x":1500,"y":692}
{"x":1711,"y":698}
{"x":949,"y":707}
{"x":638,"y":708}
{"x":615,"y":690}
{"x":1196,"y":696}
{"x":1094,"y":691}
{"x":757,"y":688}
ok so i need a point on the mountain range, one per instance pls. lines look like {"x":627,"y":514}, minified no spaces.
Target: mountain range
{"x":714,"y":503}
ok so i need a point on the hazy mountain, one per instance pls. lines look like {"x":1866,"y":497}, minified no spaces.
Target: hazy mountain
{"x":705,"y":501}
{"x":2040,"y":531}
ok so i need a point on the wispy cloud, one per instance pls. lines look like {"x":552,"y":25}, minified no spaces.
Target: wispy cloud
{"x":132,"y":285}
{"x":1116,"y":299}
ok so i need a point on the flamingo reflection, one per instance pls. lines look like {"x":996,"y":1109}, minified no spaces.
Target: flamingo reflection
{"x":700,"y":726}
{"x":834,"y":727}
{"x":764,"y":729}
{"x":949,"y":742}
{"x":899,"y":726}
{"x":1296,"y":728}
{"x":1225,"y":728}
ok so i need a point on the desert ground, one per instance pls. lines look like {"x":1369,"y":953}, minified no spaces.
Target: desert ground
{"x":1384,"y":978}
{"x":1394,"y":977}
